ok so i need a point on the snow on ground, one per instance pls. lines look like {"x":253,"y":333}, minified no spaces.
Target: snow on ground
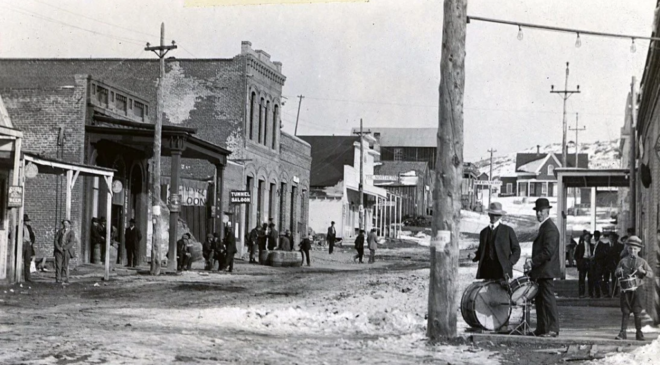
{"x":645,"y":355}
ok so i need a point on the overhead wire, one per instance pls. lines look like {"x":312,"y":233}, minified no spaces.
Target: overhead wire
{"x":96,"y":20}
{"x":52,"y":20}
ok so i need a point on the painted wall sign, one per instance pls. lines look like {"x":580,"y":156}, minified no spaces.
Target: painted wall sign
{"x":15,"y":196}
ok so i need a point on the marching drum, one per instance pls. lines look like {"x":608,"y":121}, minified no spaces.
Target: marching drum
{"x":485,"y":304}
{"x":523,"y":290}
{"x":628,"y":284}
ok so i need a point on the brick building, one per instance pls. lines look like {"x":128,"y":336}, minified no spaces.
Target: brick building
{"x":69,"y":108}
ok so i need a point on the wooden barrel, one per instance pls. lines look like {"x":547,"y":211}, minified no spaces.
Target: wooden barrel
{"x":96,"y":254}
{"x":263,"y":257}
{"x":276,"y":258}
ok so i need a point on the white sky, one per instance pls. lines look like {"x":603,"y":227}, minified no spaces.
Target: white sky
{"x":379,"y":60}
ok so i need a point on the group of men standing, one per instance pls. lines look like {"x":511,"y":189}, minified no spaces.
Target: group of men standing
{"x":597,"y":259}
{"x":266,"y":237}
{"x":499,"y":251}
{"x":220,"y":252}
{"x":372,"y":243}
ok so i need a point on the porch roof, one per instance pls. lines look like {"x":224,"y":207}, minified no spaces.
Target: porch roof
{"x":588,"y":178}
{"x":136,"y":133}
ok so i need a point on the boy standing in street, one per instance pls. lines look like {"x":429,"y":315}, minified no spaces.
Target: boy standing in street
{"x":637,"y":267}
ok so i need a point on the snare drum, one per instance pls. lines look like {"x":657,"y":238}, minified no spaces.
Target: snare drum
{"x":485,"y":304}
{"x":628,"y":284}
{"x":523,"y":290}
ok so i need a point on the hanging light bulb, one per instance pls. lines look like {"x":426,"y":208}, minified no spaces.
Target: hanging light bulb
{"x":633,"y":48}
{"x":520,"y":33}
{"x":578,"y":42}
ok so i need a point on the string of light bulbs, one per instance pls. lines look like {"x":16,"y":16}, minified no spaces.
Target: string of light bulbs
{"x":578,"y":41}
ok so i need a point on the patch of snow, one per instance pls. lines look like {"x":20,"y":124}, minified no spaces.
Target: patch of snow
{"x":645,"y":355}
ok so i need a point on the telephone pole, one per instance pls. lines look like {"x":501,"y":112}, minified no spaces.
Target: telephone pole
{"x":565,"y":94}
{"x":361,"y":184}
{"x":300,"y":97}
{"x":577,"y":130}
{"x":160,"y":51}
{"x":445,"y":234}
{"x":490,"y":175}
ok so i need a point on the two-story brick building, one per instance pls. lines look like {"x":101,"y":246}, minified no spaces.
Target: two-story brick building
{"x":101,"y":112}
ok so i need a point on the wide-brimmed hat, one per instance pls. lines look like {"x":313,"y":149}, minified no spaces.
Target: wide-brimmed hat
{"x":542,"y":203}
{"x":131,"y":221}
{"x":634,"y":241}
{"x":26,"y":218}
{"x":495,"y":208}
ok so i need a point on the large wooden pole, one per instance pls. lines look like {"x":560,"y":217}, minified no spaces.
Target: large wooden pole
{"x":449,"y":175}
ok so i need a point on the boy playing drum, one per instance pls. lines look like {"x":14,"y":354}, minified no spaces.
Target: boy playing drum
{"x":632,"y":267}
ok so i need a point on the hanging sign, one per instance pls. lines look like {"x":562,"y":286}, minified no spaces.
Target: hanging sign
{"x":239,"y":197}
{"x":15,"y":197}
{"x":117,"y":186}
{"x":175,"y":203}
{"x":31,"y":170}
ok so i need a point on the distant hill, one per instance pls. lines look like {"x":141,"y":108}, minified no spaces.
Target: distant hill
{"x":602,"y":155}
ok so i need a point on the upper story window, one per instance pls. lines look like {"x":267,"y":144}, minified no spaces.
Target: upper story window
{"x":276,"y":126}
{"x":398,"y":154}
{"x":138,"y":109}
{"x":250,"y":125}
{"x":120,"y":102}
{"x":551,"y":169}
{"x":102,"y":94}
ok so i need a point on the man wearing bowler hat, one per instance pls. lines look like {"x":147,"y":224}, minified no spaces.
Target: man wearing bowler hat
{"x":498,"y":248}
{"x":133,"y":236}
{"x":544,"y":267}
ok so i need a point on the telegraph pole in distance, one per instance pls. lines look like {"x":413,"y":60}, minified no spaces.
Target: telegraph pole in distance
{"x":490,"y":176}
{"x":300,"y":97}
{"x":577,"y":130}
{"x":443,"y":278}
{"x":361,"y":185}
{"x":577,"y":148}
{"x":565,"y":94}
{"x":160,"y":51}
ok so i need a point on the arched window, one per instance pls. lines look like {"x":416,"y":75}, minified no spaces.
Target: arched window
{"x":276,"y":126}
{"x":266,"y":110}
{"x":261,"y":120}
{"x":551,"y":169}
{"x":250,"y":124}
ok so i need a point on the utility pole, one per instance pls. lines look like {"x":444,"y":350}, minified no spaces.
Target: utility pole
{"x":565,"y":94}
{"x":160,"y":51}
{"x":300,"y":97}
{"x":361,"y":184}
{"x":633,"y":173}
{"x":577,"y":149}
{"x":449,"y":175}
{"x":490,"y":176}
{"x":577,"y":130}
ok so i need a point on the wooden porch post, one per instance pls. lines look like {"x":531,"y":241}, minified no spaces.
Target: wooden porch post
{"x":174,"y":209}
{"x":19,"y":226}
{"x":13,"y":222}
{"x":561,"y":222}
{"x":219,"y":209}
{"x":108,"y":230}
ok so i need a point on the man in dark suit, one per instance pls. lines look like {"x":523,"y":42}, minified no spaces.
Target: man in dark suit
{"x":498,"y":248}
{"x":132,"y":237}
{"x":331,"y":236}
{"x":544,"y":267}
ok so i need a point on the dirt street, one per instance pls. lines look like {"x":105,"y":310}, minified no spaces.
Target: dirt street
{"x":335,"y":311}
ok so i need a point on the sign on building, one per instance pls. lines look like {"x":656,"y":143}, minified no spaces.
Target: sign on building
{"x":15,"y":197}
{"x":239,"y":197}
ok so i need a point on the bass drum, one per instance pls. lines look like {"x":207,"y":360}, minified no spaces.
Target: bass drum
{"x":485,"y":304}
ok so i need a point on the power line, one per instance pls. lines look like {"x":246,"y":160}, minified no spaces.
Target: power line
{"x":96,"y":20}
{"x":48,"y":19}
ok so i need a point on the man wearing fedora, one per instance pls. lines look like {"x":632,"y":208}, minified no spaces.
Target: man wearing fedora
{"x":498,"y":248}
{"x":133,"y":236}
{"x":544,"y":267}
